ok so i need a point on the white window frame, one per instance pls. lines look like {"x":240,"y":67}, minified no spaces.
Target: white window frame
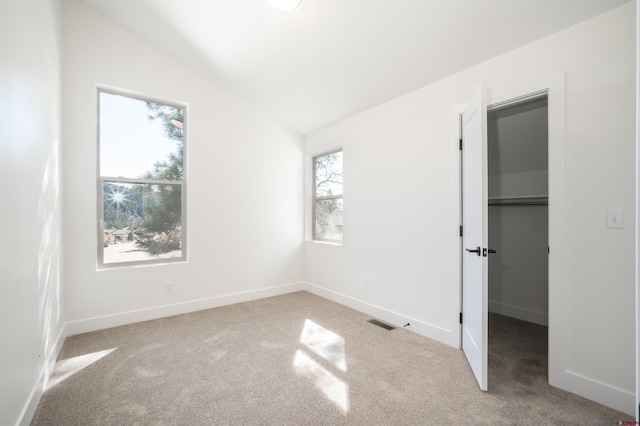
{"x":101,"y":180}
{"x":320,"y":198}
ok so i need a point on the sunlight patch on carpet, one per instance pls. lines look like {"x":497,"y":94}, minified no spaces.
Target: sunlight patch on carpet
{"x":68,"y":367}
{"x":334,"y":389}
{"x":324,"y":343}
{"x":326,"y":346}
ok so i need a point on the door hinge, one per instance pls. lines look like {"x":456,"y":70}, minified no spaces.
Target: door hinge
{"x":460,"y":144}
{"x":461,"y":230}
{"x":460,"y":317}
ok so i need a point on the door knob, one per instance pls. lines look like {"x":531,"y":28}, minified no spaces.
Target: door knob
{"x":486,"y":250}
{"x":476,"y":251}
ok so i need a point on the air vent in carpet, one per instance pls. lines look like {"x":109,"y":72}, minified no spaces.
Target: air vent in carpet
{"x":381,"y":324}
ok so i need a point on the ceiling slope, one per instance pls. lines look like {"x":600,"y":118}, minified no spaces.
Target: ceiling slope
{"x":334,"y":58}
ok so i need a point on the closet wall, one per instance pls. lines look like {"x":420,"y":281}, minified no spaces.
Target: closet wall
{"x":518,"y":215}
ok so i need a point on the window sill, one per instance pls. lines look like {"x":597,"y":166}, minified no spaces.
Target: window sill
{"x":134,"y":265}
{"x":326,"y":243}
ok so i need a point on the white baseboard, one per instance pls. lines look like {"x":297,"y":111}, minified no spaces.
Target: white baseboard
{"x":115,"y":320}
{"x":26,"y":416}
{"x":602,"y":393}
{"x":399,"y":320}
{"x":99,"y":323}
{"x":431,"y":331}
{"x":525,"y":314}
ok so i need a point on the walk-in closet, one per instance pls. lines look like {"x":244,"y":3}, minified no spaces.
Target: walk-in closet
{"x":518,"y":217}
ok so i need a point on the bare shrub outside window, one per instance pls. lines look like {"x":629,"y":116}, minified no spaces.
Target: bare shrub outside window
{"x":327,"y":199}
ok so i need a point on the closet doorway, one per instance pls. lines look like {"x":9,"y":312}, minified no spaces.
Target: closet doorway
{"x":518,"y":230}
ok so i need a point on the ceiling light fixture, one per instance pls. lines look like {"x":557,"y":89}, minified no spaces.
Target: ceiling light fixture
{"x":286,"y":5}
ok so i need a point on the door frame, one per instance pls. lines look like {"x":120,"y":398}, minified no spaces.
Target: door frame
{"x":499,"y":93}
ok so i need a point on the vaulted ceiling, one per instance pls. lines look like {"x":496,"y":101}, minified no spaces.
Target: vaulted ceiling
{"x":330,"y":59}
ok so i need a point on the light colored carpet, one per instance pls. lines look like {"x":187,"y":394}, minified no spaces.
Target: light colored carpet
{"x":299,"y":359}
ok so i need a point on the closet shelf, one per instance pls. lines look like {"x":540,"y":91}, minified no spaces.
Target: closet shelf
{"x":524,"y":200}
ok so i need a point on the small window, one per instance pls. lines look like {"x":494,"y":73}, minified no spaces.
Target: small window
{"x":141,"y":186}
{"x":327,"y":197}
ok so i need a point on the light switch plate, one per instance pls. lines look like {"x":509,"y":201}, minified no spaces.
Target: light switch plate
{"x":615,"y":218}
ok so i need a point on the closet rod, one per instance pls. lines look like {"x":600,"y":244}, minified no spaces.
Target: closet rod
{"x":540,"y":200}
{"x":514,"y":203}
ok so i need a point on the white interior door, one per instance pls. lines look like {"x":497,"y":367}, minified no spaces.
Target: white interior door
{"x":475,"y":236}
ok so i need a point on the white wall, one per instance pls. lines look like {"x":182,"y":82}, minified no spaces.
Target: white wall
{"x":244,"y":195}
{"x":31,"y":308}
{"x":518,"y":271}
{"x":401,"y":202}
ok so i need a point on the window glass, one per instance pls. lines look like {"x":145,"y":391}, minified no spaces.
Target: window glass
{"x":327,"y":203}
{"x":328,"y":171}
{"x":141,"y":174}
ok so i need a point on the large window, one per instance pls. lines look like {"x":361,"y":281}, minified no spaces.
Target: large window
{"x":141,"y":187}
{"x":327,"y":197}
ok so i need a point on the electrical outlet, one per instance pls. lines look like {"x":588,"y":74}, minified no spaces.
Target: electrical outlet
{"x":615,"y":218}
{"x":168,"y":287}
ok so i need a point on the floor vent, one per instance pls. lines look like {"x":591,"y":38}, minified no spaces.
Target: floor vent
{"x":381,"y":324}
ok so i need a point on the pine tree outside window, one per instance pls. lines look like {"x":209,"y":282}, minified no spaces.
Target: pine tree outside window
{"x":141,"y":185}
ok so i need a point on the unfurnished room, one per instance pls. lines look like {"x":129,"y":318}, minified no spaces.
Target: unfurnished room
{"x":244,"y":212}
